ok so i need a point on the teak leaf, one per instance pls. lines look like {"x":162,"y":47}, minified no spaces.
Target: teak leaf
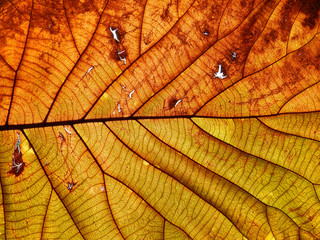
{"x":160,"y":119}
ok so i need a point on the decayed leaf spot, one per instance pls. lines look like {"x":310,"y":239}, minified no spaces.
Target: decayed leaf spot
{"x":17,"y":161}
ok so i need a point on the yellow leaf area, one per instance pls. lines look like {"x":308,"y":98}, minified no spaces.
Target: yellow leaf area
{"x":160,"y":120}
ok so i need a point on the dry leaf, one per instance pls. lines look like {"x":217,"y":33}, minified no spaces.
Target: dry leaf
{"x":160,"y":119}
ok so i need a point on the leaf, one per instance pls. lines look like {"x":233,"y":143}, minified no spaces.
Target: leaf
{"x":160,"y":119}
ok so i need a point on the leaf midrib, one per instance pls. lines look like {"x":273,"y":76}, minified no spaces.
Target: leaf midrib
{"x":79,"y":121}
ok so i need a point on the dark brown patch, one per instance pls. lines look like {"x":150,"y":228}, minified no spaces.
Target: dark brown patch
{"x":52,"y":25}
{"x":166,"y":15}
{"x":317,"y":61}
{"x":3,"y":40}
{"x":311,"y":8}
{"x":215,"y":10}
{"x":204,"y":28}
{"x":147,"y":39}
{"x":122,"y":52}
{"x":114,"y":55}
{"x":287,"y":15}
{"x":182,"y":36}
{"x":118,"y":51}
{"x":250,"y":32}
{"x":234,"y":55}
{"x":46,"y":69}
{"x":10,"y":22}
{"x":243,"y":3}
{"x":78,"y":7}
{"x":3,"y":3}
{"x":49,"y":17}
{"x":203,"y":4}
{"x":172,"y":102}
{"x":307,"y":59}
{"x":271,"y":37}
{"x":295,"y":37}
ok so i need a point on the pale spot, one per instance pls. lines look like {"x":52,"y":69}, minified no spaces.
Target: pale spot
{"x":130,"y":94}
{"x":114,"y":34}
{"x":177,"y":102}
{"x":67,"y":130}
{"x":220,"y":74}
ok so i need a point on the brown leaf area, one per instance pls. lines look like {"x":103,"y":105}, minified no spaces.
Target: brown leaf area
{"x":164,"y":119}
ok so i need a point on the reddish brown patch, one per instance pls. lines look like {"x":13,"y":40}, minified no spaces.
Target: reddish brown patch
{"x":122,"y":53}
{"x":17,"y":161}
{"x":119,"y":51}
{"x":114,"y":55}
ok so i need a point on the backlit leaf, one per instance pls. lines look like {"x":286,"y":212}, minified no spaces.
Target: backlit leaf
{"x":160,"y":119}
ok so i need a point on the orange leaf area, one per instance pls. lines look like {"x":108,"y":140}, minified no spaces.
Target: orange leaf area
{"x":160,"y":119}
